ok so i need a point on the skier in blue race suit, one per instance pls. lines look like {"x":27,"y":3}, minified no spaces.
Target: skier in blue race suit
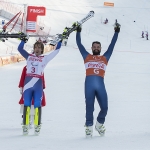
{"x":95,"y":66}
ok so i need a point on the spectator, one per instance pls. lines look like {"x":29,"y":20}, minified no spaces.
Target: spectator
{"x":142,"y":34}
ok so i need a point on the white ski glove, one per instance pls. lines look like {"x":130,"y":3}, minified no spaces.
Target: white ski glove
{"x":21,"y":90}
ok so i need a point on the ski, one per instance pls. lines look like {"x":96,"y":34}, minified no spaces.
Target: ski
{"x":17,"y":35}
{"x":56,"y":38}
{"x":66,"y":34}
{"x":73,"y":28}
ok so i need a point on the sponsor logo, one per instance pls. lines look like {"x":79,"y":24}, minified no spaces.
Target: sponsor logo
{"x":97,"y":65}
{"x":37,"y":11}
{"x":96,"y":71}
{"x":35,"y":59}
{"x":34,"y":64}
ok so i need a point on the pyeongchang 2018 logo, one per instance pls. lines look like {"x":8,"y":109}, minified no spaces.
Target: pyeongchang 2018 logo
{"x":37,"y":11}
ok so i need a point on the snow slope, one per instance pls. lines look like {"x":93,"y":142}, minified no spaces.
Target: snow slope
{"x":127,"y":82}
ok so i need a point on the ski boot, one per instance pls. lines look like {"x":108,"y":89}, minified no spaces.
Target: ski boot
{"x":88,"y":131}
{"x":37,"y":129}
{"x":100,"y":128}
{"x":25,"y":129}
{"x":25,"y":126}
{"x":37,"y":121}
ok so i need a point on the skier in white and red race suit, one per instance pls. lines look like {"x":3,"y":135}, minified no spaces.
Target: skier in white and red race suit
{"x":33,"y":84}
{"x":21,"y":101}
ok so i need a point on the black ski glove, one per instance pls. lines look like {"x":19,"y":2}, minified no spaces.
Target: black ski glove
{"x":117,"y":27}
{"x":25,"y":39}
{"x":79,"y":28}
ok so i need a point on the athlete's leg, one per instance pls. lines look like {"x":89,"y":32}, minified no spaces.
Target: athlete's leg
{"x":38,"y":110}
{"x":27,"y":96}
{"x":102,"y":99}
{"x":28,"y":90}
{"x":38,"y":93}
{"x":89,"y":101}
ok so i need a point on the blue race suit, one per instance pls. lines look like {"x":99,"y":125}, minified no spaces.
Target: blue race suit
{"x":94,"y":85}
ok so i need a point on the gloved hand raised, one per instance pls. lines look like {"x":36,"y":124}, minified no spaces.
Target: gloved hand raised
{"x":79,"y":27}
{"x":25,"y":39}
{"x":117,"y":27}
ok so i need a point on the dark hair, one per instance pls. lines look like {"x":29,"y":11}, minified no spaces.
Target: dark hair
{"x":41,"y":44}
{"x":97,"y":42}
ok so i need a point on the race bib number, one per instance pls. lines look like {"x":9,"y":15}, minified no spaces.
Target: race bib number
{"x":33,"y":70}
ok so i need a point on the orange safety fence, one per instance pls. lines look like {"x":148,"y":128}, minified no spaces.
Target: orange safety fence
{"x":5,"y":60}
{"x":13,"y":59}
{"x":20,"y":57}
{"x":108,"y":4}
{"x":1,"y":63}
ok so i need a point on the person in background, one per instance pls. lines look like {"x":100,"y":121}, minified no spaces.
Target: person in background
{"x":142,"y":34}
{"x":106,"y":21}
{"x":146,"y":35}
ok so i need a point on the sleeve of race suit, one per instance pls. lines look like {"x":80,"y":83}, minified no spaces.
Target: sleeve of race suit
{"x":109,"y":51}
{"x":22,"y":78}
{"x":43,"y":80}
{"x":24,"y":53}
{"x":82,"y":50}
{"x":50,"y":56}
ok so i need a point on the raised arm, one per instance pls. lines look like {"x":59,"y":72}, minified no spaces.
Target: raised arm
{"x":24,"y":53}
{"x":83,"y":51}
{"x":50,"y":56}
{"x":109,"y":51}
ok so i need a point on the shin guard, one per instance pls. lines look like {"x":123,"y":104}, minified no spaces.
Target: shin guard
{"x":37,"y":117}
{"x":26,"y":114}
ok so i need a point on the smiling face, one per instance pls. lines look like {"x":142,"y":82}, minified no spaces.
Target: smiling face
{"x":38,"y":48}
{"x":96,"y":48}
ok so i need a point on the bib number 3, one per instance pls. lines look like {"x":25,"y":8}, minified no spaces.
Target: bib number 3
{"x":33,"y":70}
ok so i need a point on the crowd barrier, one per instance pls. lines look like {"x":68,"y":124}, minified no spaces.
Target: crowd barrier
{"x":5,"y":60}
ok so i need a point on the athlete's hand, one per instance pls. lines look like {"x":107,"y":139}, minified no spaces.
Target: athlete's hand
{"x":117,"y":27}
{"x":21,"y":90}
{"x":79,"y":27}
{"x":25,"y":39}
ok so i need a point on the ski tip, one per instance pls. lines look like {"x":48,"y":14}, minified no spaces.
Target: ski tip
{"x":92,"y":11}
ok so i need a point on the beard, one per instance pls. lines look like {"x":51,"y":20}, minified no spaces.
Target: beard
{"x":96,"y":52}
